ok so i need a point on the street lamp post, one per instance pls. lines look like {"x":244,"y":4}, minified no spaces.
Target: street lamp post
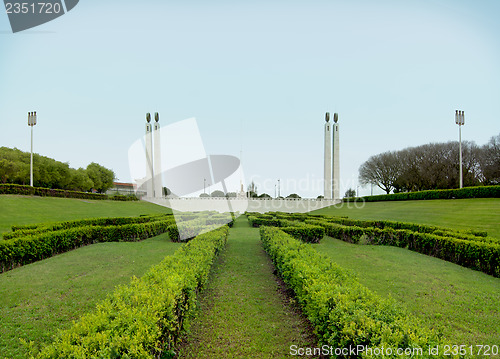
{"x":31,"y":123}
{"x":460,"y":121}
{"x":279,"y":189}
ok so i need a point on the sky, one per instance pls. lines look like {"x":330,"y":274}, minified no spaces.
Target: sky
{"x":258,"y":77}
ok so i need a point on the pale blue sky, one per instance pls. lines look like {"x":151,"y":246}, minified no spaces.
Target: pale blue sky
{"x":258,"y":76}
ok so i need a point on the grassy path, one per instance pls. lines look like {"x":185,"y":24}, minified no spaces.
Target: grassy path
{"x":243,"y":313}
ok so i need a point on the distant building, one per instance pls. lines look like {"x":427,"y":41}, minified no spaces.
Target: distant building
{"x":126,"y":189}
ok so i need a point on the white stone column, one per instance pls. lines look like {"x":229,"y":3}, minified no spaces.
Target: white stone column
{"x":327,"y":193}
{"x":158,"y":183}
{"x":336,"y":159}
{"x":149,"y":159}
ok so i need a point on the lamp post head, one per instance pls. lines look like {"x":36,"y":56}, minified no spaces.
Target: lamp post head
{"x":336,"y":117}
{"x":459,"y":117}
{"x":148,"y":117}
{"x":31,"y":119}
{"x":327,"y":116}
{"x":157,"y":117}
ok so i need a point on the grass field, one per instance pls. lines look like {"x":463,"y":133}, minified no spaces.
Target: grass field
{"x":462,"y":303}
{"x":242,"y":312}
{"x":482,"y":214}
{"x":16,"y":210}
{"x":38,"y":299}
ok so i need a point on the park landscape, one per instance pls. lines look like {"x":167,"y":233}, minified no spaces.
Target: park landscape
{"x":240,"y":303}
{"x":223,"y":231}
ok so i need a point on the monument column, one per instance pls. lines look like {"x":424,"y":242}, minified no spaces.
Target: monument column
{"x":336,"y":158}
{"x":149,"y":158}
{"x":327,"y":183}
{"x":158,"y":188}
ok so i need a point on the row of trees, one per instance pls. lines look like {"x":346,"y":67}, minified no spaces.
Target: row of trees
{"x":252,"y":192}
{"x":433,"y":166}
{"x":49,"y":173}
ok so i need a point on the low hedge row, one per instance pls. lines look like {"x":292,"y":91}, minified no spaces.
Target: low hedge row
{"x":32,"y":229}
{"x":306,"y":232}
{"x":145,"y":318}
{"x":124,"y":198}
{"x":47,"y":192}
{"x":474,"y":254}
{"x":423,"y":228}
{"x":467,"y":192}
{"x":186,"y":230}
{"x":221,"y":219}
{"x":343,"y":312}
{"x":24,"y":250}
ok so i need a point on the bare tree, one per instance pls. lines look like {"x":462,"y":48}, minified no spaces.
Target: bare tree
{"x":433,"y":166}
{"x":381,"y":170}
{"x":489,"y":161}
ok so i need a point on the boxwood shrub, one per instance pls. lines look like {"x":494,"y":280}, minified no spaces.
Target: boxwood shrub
{"x":146,"y":318}
{"x":344,"y":313}
{"x":466,"y":192}
{"x":23,"y":250}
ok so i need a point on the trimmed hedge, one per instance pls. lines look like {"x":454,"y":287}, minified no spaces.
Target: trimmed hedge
{"x":466,"y":192}
{"x":474,"y":254}
{"x":221,"y":219}
{"x":146,"y":318}
{"x":47,"y":192}
{"x":32,"y":229}
{"x":344,"y":313}
{"x":122,"y":197}
{"x":187,"y":230}
{"x":423,"y":228}
{"x":23,"y":250}
{"x":305,"y":232}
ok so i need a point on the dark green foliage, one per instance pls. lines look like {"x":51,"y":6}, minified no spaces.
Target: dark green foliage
{"x":49,"y":173}
{"x":468,"y":248}
{"x":146,"y":318}
{"x":30,"y":248}
{"x":306,"y":232}
{"x":476,"y":253}
{"x":342,"y":311}
{"x":221,"y":219}
{"x":263,"y":220}
{"x":101,"y":177}
{"x":467,"y":192}
{"x":122,"y":197}
{"x":47,"y":192}
{"x":33,"y":229}
{"x":217,"y":193}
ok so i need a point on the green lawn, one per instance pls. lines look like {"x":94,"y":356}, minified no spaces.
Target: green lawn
{"x":482,"y":214}
{"x":242,"y":312}
{"x":16,"y":210}
{"x":38,"y":299}
{"x":460,"y":302}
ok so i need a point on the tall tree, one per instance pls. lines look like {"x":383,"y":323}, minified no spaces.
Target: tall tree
{"x":381,"y":170}
{"x":101,"y":177}
{"x":489,"y":160}
{"x":252,"y":190}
